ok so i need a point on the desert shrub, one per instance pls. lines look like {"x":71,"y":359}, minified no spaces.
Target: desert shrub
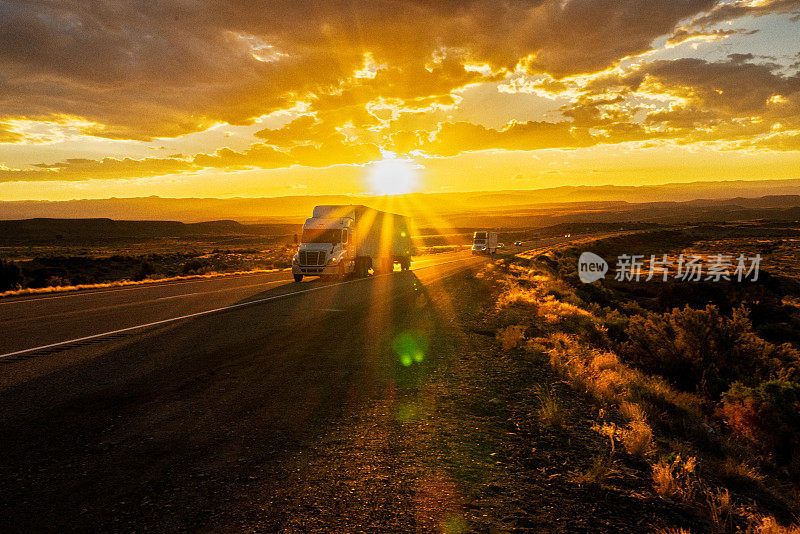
{"x":57,"y":281}
{"x":10,"y":275}
{"x":675,"y":479}
{"x":701,"y":350}
{"x":195,"y":267}
{"x":511,"y":337}
{"x":145,"y":269}
{"x":767,"y":415}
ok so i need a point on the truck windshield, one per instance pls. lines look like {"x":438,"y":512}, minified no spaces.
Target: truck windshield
{"x":480,"y":236}
{"x":321,"y":235}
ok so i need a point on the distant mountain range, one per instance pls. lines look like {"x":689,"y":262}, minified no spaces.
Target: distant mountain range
{"x":85,"y":231}
{"x":763,"y":194}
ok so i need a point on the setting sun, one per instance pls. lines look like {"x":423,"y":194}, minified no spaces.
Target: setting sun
{"x":392,"y":177}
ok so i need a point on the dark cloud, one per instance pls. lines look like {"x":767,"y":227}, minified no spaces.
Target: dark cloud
{"x":740,"y":58}
{"x":146,"y":69}
{"x":725,"y":11}
{"x":732,"y":88}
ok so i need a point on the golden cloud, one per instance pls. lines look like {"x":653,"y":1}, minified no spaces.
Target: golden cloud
{"x":188,"y":66}
{"x":377,"y":75}
{"x":104,"y":169}
{"x":454,"y":138}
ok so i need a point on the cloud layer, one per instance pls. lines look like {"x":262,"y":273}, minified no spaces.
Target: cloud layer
{"x":377,"y":75}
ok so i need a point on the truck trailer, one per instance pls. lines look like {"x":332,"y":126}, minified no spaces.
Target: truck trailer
{"x":341,"y":240}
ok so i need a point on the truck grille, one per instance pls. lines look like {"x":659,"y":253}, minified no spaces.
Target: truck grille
{"x":312,"y":258}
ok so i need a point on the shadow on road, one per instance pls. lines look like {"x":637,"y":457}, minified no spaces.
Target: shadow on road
{"x":161,"y":430}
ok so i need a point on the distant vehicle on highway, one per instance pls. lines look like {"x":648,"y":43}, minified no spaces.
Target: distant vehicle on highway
{"x":342,"y":240}
{"x":517,"y":243}
{"x":567,"y":235}
{"x":484,"y":242}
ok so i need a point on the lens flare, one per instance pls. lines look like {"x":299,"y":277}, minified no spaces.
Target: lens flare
{"x":410,"y":347}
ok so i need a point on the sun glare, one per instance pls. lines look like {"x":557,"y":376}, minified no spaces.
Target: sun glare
{"x":392,"y":177}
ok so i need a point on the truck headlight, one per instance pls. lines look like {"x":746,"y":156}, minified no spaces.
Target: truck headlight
{"x":333,"y":259}
{"x":295,"y":260}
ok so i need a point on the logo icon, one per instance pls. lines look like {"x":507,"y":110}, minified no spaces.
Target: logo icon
{"x":591,"y":267}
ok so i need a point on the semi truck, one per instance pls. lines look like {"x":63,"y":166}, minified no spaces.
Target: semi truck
{"x":338,"y":241}
{"x":484,"y":242}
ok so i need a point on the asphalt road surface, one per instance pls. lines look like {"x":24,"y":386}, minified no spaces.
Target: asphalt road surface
{"x":115,"y":431}
{"x":120,"y":406}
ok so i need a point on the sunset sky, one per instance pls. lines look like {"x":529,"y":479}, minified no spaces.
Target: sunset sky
{"x":183,"y":98}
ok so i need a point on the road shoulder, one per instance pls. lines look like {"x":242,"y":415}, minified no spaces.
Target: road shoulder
{"x":460,"y":447}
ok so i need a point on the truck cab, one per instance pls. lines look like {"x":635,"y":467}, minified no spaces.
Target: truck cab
{"x":325,"y":248}
{"x":484,"y":242}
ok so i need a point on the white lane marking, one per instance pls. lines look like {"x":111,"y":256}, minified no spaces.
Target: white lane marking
{"x":154,"y":285}
{"x":139,"y":302}
{"x":173,"y":319}
{"x":234,"y":288}
{"x":196,"y":314}
{"x":179,"y":296}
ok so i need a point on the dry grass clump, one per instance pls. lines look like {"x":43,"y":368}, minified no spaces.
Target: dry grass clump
{"x":517,"y":296}
{"x":632,"y":411}
{"x":600,"y":469}
{"x":511,"y":337}
{"x":720,"y":510}
{"x":768,"y":525}
{"x":675,"y":479}
{"x":730,"y":468}
{"x":545,"y":299}
{"x":550,"y":411}
{"x":600,"y":374}
{"x":637,"y":438}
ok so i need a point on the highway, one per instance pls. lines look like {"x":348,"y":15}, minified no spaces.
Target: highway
{"x":115,"y":397}
{"x":149,"y":407}
{"x":35,"y":324}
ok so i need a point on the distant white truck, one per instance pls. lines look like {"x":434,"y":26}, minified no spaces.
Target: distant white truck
{"x":484,"y":242}
{"x":342,"y":240}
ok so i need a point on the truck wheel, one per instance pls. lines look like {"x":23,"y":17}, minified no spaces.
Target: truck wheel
{"x":298,"y":278}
